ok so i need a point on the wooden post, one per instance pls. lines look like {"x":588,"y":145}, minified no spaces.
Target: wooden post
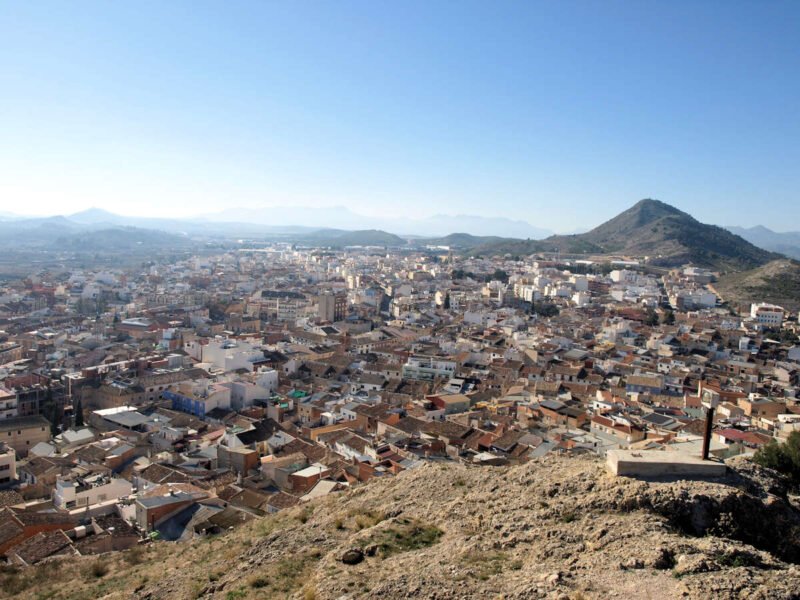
{"x":707,"y":436}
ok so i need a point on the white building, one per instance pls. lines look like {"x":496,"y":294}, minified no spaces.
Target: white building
{"x":580,"y":283}
{"x":581,"y":299}
{"x":243,"y":394}
{"x":267,"y":379}
{"x":8,"y":404}
{"x":623,"y":276}
{"x":230,"y":355}
{"x":8,"y":465}
{"x":767,"y":314}
{"x":428,"y":367}
{"x":89,"y":490}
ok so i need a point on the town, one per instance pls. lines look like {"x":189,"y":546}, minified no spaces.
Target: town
{"x":182,"y":399}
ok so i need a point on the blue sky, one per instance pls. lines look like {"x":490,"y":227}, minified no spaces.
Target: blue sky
{"x":558,"y":113}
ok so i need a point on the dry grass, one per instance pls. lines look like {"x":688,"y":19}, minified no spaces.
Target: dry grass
{"x":364,"y":519}
{"x":402,"y":535}
{"x":487,"y":564}
{"x":286,"y":576}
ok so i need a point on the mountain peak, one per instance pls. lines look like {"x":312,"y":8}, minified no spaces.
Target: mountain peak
{"x":664,"y":234}
{"x":94,"y":212}
{"x":640,"y":215}
{"x":94,"y":216}
{"x":650,"y":210}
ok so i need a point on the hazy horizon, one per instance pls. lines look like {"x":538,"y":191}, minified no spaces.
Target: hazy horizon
{"x":218,"y":217}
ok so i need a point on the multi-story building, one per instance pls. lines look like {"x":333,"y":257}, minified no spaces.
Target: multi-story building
{"x":31,"y":396}
{"x":86,"y":491}
{"x":769,"y":315}
{"x":10,"y":351}
{"x":199,"y":398}
{"x":427,"y":368}
{"x":332,"y":307}
{"x":8,"y":465}
{"x":23,"y":433}
{"x":281,"y":305}
{"x":8,"y":404}
{"x":230,"y":355}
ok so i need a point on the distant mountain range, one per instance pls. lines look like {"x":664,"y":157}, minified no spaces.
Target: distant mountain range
{"x":54,"y":233}
{"x":340,"y":217}
{"x":666,"y":235}
{"x":340,"y":238}
{"x":786,"y":243}
{"x":97,"y":229}
{"x":248,"y":222}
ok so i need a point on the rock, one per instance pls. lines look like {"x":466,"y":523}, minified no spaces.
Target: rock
{"x":352,"y":556}
{"x":371,"y":550}
{"x":554,"y":578}
{"x":665,"y":559}
{"x":632,"y":563}
{"x":696,"y":563}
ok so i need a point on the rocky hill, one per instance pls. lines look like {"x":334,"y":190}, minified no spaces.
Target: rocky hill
{"x":339,"y":238}
{"x":777,"y":282}
{"x":558,"y":527}
{"x":465,"y":240}
{"x":662,"y":232}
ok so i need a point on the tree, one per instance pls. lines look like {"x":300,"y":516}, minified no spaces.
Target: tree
{"x":668,"y":318}
{"x":50,"y":411}
{"x":651,"y":318}
{"x":446,"y":303}
{"x":545,"y":309}
{"x":78,"y":410}
{"x":500,"y":275}
{"x":784,"y":458}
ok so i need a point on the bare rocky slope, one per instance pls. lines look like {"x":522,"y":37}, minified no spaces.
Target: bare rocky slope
{"x":777,"y":282}
{"x":558,"y":527}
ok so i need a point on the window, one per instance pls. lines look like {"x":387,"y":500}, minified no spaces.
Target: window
{"x":5,"y":467}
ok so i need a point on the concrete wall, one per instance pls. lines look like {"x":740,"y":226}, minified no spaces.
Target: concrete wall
{"x":660,"y":463}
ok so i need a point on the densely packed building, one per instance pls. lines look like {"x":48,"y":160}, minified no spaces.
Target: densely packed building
{"x":185,"y":398}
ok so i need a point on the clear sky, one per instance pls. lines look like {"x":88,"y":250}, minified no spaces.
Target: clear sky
{"x":560,"y":113}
